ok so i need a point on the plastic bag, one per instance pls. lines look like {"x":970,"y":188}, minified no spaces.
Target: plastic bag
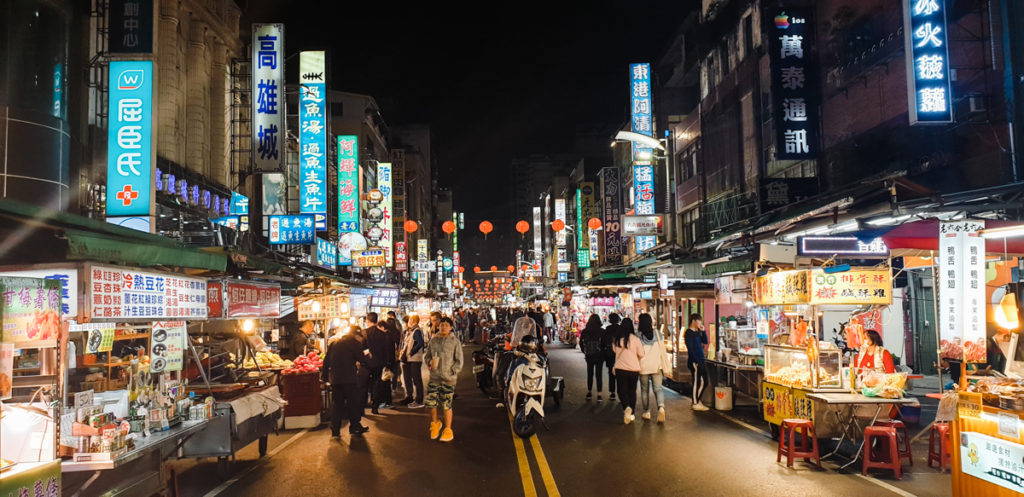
{"x":893,"y":386}
{"x":872,"y":383}
{"x":947,"y":407}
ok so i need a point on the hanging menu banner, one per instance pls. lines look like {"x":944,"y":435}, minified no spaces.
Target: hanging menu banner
{"x":348,"y":184}
{"x":929,"y":96}
{"x":167,"y":346}
{"x":961,"y":288}
{"x":268,"y":102}
{"x":133,"y":295}
{"x":31,"y":309}
{"x":612,"y":202}
{"x":313,"y":136}
{"x":253,"y":300}
{"x":795,"y":93}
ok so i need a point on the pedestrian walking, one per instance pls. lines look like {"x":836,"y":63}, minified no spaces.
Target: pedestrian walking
{"x":607,"y":338}
{"x":382,"y":356}
{"x":628,"y":354}
{"x":344,"y":357}
{"x":653,"y":367}
{"x":412,"y":363}
{"x":444,"y":358}
{"x":549,"y":326}
{"x":696,"y":338}
{"x":590,"y":344}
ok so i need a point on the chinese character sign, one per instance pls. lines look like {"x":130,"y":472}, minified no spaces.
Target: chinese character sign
{"x":640,"y":106}
{"x":326,"y":254}
{"x":925,"y":37}
{"x":560,"y":216}
{"x":167,"y":346}
{"x":795,"y":94}
{"x":312,"y":134}
{"x":130,"y":26}
{"x":643,"y":185}
{"x":268,"y":99}
{"x":611,"y":196}
{"x":31,"y":309}
{"x":239,"y":204}
{"x":538,"y":244}
{"x":126,"y":295}
{"x":961,"y":290}
{"x":348,"y":183}
{"x":129,"y":139}
{"x":253,"y":300}
{"x":384,"y":186}
{"x":298,"y":230}
{"x":995,"y":460}
{"x":857,"y":287}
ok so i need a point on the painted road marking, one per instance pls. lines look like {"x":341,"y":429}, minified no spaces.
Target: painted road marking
{"x":529,"y":489}
{"x":894,"y":489}
{"x":223,"y":486}
{"x":545,"y":470}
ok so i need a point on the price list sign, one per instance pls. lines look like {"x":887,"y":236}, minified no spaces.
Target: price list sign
{"x":128,"y":294}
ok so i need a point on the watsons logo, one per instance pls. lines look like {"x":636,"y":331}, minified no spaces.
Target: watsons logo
{"x":782,"y":21}
{"x":130,"y":79}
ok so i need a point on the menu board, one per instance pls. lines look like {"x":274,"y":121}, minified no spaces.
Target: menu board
{"x":329,"y":307}
{"x":253,"y":300}
{"x":31,"y":309}
{"x":992,"y":459}
{"x":131,"y":295}
{"x":781,"y":288}
{"x":385,"y":297}
{"x":961,"y":289}
{"x":99,"y":337}
{"x":857,"y":287}
{"x":167,"y":346}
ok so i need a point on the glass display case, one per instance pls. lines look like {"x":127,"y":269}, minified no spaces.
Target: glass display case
{"x":790,"y":366}
{"x":741,"y":344}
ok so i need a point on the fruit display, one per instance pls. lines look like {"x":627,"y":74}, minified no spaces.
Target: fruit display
{"x":266,"y":360}
{"x":309,"y":363}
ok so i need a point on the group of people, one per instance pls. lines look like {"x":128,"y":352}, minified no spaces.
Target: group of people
{"x":636,"y":354}
{"x":370,"y":360}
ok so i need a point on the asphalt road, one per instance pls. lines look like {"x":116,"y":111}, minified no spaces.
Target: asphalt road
{"x":587,"y":452}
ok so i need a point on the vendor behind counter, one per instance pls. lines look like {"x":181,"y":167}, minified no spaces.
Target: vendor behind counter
{"x":873,"y":356}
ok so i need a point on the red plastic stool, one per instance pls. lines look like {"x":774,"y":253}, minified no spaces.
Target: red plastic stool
{"x":941,"y":453}
{"x":901,"y":435}
{"x":808,"y":448}
{"x":887,"y":459}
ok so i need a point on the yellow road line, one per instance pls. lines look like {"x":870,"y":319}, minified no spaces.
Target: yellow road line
{"x":545,"y":470}
{"x":529,"y":489}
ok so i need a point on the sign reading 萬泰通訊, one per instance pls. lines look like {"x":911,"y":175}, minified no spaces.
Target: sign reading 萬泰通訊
{"x":961,"y":291}
{"x":129,"y":139}
{"x":313,"y":136}
{"x":298,"y":230}
{"x":795,"y":91}
{"x":925,"y":36}
{"x":268,"y":99}
{"x":348,"y":183}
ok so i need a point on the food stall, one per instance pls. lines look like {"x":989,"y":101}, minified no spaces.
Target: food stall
{"x":30,"y":386}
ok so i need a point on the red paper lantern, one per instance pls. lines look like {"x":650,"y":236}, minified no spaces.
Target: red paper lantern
{"x":558,"y":225}
{"x":494,"y":269}
{"x":462,"y":269}
{"x":536,"y":266}
{"x":594,"y":223}
{"x":476,"y":269}
{"x":525,"y":267}
{"x":486,"y":227}
{"x":511,"y":268}
{"x":522,"y":227}
{"x":448,"y":227}
{"x":411,"y":226}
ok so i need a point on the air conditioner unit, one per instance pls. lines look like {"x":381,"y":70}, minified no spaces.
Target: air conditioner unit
{"x":976,"y":103}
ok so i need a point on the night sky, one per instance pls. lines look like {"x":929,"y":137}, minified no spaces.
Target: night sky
{"x":494,"y":82}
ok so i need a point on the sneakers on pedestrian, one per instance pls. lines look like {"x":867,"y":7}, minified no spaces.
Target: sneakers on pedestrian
{"x":599,"y":397}
{"x":700,"y":407}
{"x":415,"y":405}
{"x":448,"y":435}
{"x":646,"y":415}
{"x":661,"y":414}
{"x":589,"y":395}
{"x":612,"y":396}
{"x":387,"y":406}
{"x":335,"y":436}
{"x":627,"y":416}
{"x":435,"y":429}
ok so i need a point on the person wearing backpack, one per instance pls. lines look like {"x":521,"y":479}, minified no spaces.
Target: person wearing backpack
{"x":590,"y":344}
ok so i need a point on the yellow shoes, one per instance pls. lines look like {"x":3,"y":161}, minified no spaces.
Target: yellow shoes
{"x":448,"y":435}
{"x":435,"y":429}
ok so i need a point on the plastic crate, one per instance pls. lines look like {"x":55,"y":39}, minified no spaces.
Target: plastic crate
{"x":302,"y":391}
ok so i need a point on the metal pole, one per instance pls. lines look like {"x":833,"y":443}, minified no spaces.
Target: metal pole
{"x":935,"y":312}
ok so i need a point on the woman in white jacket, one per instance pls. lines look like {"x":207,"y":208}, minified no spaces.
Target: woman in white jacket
{"x":653,"y":366}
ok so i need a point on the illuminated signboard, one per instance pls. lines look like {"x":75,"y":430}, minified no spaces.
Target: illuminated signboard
{"x":347,"y":243}
{"x":384,"y":186}
{"x":560,"y":216}
{"x":794,"y":92}
{"x":129,"y":139}
{"x":326,"y":254}
{"x":643,"y":187}
{"x":841,"y":246}
{"x":925,"y":37}
{"x":640,"y":105}
{"x":368,"y":258}
{"x":313,"y":137}
{"x":298,"y":230}
{"x":612,"y":203}
{"x":268,"y":102}
{"x":537,"y":241}
{"x":348,"y":183}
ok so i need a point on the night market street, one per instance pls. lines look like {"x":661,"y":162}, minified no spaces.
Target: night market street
{"x":587,"y":452}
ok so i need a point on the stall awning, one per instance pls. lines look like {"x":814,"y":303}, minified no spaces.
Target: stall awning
{"x":86,"y":246}
{"x":743,"y":264}
{"x":921,"y":237}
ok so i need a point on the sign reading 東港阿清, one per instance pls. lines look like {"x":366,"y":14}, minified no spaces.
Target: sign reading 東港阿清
{"x":135,"y":295}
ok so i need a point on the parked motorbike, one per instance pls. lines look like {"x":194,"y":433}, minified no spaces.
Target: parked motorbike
{"x":526,"y":387}
{"x":483,"y":364}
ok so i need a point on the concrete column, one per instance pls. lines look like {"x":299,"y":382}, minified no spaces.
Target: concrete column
{"x":169,"y":81}
{"x":197,"y":70}
{"x":220,"y":115}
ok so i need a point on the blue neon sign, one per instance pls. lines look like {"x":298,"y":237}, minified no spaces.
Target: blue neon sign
{"x":643,"y":189}
{"x":925,"y":33}
{"x":326,"y":254}
{"x":129,"y":138}
{"x":313,"y":136}
{"x":292,"y":230}
{"x":640,"y":105}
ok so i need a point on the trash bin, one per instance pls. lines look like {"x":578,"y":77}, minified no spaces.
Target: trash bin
{"x":723,"y":398}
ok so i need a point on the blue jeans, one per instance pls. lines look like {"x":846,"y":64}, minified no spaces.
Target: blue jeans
{"x":648,"y":382}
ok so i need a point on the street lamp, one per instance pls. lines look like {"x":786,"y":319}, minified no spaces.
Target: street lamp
{"x":648,"y":141}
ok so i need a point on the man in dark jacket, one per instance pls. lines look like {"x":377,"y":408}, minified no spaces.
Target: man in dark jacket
{"x":607,"y":338}
{"x":341,"y":370}
{"x":383,"y":345}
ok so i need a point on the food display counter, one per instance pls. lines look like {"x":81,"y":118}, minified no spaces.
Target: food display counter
{"x":987,"y":450}
{"x":790,"y":375}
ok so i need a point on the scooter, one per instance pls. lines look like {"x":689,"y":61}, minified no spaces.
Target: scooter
{"x":526,"y":388}
{"x":483,"y":364}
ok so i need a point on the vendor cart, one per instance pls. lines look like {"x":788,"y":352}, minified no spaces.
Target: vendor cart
{"x":236,"y":424}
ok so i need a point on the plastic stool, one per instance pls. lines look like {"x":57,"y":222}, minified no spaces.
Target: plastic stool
{"x":901,"y":434}
{"x":890,"y":458}
{"x":941,"y":453}
{"x":808,"y":448}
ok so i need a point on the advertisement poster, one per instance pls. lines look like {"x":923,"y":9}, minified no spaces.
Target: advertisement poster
{"x":43,"y":479}
{"x":68,"y":278}
{"x":167,"y":346}
{"x":124,"y":294}
{"x":992,"y":459}
{"x":6,"y":369}
{"x":782,"y":287}
{"x":31,"y":309}
{"x":252,"y":300}
{"x":99,"y":337}
{"x":857,"y":287}
{"x":961,"y":291}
